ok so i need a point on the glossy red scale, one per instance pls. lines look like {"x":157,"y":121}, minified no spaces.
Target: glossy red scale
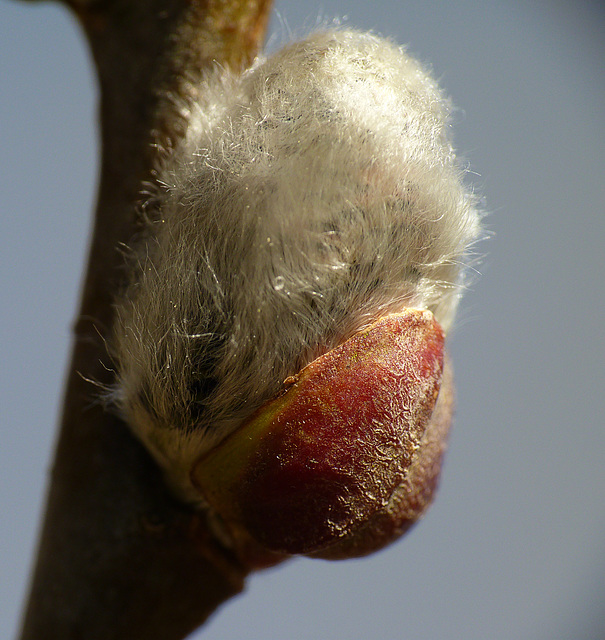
{"x":317,"y":463}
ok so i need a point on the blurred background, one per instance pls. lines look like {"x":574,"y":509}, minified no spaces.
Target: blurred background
{"x":514,"y":546}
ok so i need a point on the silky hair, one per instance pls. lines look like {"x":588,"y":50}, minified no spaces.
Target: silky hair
{"x":311,"y":194}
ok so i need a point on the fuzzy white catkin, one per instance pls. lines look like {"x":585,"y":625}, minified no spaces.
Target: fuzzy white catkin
{"x":312,"y":194}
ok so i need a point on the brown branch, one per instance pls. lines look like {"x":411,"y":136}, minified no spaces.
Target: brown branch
{"x":118,"y":557}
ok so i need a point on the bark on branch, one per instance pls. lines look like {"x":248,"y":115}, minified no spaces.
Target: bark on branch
{"x":118,"y":556}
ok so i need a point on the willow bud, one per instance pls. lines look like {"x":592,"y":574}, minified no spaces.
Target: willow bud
{"x":311,"y":226}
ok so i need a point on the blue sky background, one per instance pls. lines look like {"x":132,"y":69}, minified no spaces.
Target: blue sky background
{"x":514,"y":546}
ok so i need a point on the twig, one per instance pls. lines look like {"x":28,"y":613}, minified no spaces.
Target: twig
{"x":118,"y":556}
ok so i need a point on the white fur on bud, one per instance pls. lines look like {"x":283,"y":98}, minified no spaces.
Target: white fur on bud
{"x":311,"y":195}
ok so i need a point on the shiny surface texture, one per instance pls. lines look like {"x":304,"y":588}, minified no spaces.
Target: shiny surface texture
{"x":315,"y":464}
